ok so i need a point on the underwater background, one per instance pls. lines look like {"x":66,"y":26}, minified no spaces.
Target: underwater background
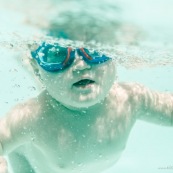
{"x":149,"y":61}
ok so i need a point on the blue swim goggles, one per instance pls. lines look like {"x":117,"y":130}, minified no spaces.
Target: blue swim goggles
{"x":54,"y":58}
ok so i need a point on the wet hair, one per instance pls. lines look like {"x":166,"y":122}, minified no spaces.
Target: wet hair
{"x":95,"y":21}
{"x":86,"y":22}
{"x":84,"y":30}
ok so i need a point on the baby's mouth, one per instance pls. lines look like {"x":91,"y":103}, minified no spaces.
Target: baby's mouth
{"x":83,"y":83}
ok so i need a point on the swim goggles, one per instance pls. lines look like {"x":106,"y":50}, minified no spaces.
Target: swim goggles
{"x":54,"y":58}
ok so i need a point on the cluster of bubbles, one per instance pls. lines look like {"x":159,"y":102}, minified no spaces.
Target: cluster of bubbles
{"x":98,"y":21}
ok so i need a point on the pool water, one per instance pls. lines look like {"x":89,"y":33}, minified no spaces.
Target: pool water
{"x":149,"y":148}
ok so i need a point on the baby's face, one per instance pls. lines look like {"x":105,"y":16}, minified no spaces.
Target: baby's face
{"x":81,"y":85}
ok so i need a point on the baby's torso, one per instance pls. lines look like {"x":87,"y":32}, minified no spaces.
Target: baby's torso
{"x":87,"y":142}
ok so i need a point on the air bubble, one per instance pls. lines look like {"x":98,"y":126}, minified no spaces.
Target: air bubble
{"x":84,"y":136}
{"x":24,"y":128}
{"x":60,"y":158}
{"x":13,"y":70}
{"x":80,"y":165}
{"x":16,"y":86}
{"x":16,"y":99}
{"x":100,"y":141}
{"x":75,"y":141}
{"x":32,"y":139}
{"x":23,"y":133}
{"x":32,"y":88}
{"x":100,"y":155}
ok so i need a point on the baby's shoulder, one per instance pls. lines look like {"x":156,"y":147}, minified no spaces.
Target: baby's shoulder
{"x":126,"y":91}
{"x":24,"y":112}
{"x":128,"y":88}
{"x":121,"y":89}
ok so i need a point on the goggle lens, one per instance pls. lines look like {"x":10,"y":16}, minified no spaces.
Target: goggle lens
{"x":53,"y":57}
{"x":53,"y":54}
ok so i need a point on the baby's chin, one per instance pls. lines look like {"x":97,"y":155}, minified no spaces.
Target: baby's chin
{"x":79,"y":106}
{"x":83,"y":103}
{"x":79,"y":100}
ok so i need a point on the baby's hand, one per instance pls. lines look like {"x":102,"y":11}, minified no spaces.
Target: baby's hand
{"x":3,"y":165}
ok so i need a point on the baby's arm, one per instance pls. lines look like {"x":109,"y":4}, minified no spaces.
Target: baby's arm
{"x":156,"y":107}
{"x":15,"y":129}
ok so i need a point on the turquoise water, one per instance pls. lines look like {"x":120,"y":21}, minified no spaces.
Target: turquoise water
{"x":149,"y":148}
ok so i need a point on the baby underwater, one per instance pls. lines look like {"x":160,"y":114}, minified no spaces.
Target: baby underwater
{"x":81,"y":121}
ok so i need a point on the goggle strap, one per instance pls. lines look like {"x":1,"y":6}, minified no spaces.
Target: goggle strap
{"x":85,"y":54}
{"x":68,"y":55}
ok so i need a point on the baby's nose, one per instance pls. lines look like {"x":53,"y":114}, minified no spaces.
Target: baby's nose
{"x":79,"y":64}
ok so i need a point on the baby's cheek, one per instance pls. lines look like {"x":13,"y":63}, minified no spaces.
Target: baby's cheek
{"x":105,"y":71}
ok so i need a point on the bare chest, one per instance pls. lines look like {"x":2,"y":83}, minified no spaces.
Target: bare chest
{"x":85,"y":144}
